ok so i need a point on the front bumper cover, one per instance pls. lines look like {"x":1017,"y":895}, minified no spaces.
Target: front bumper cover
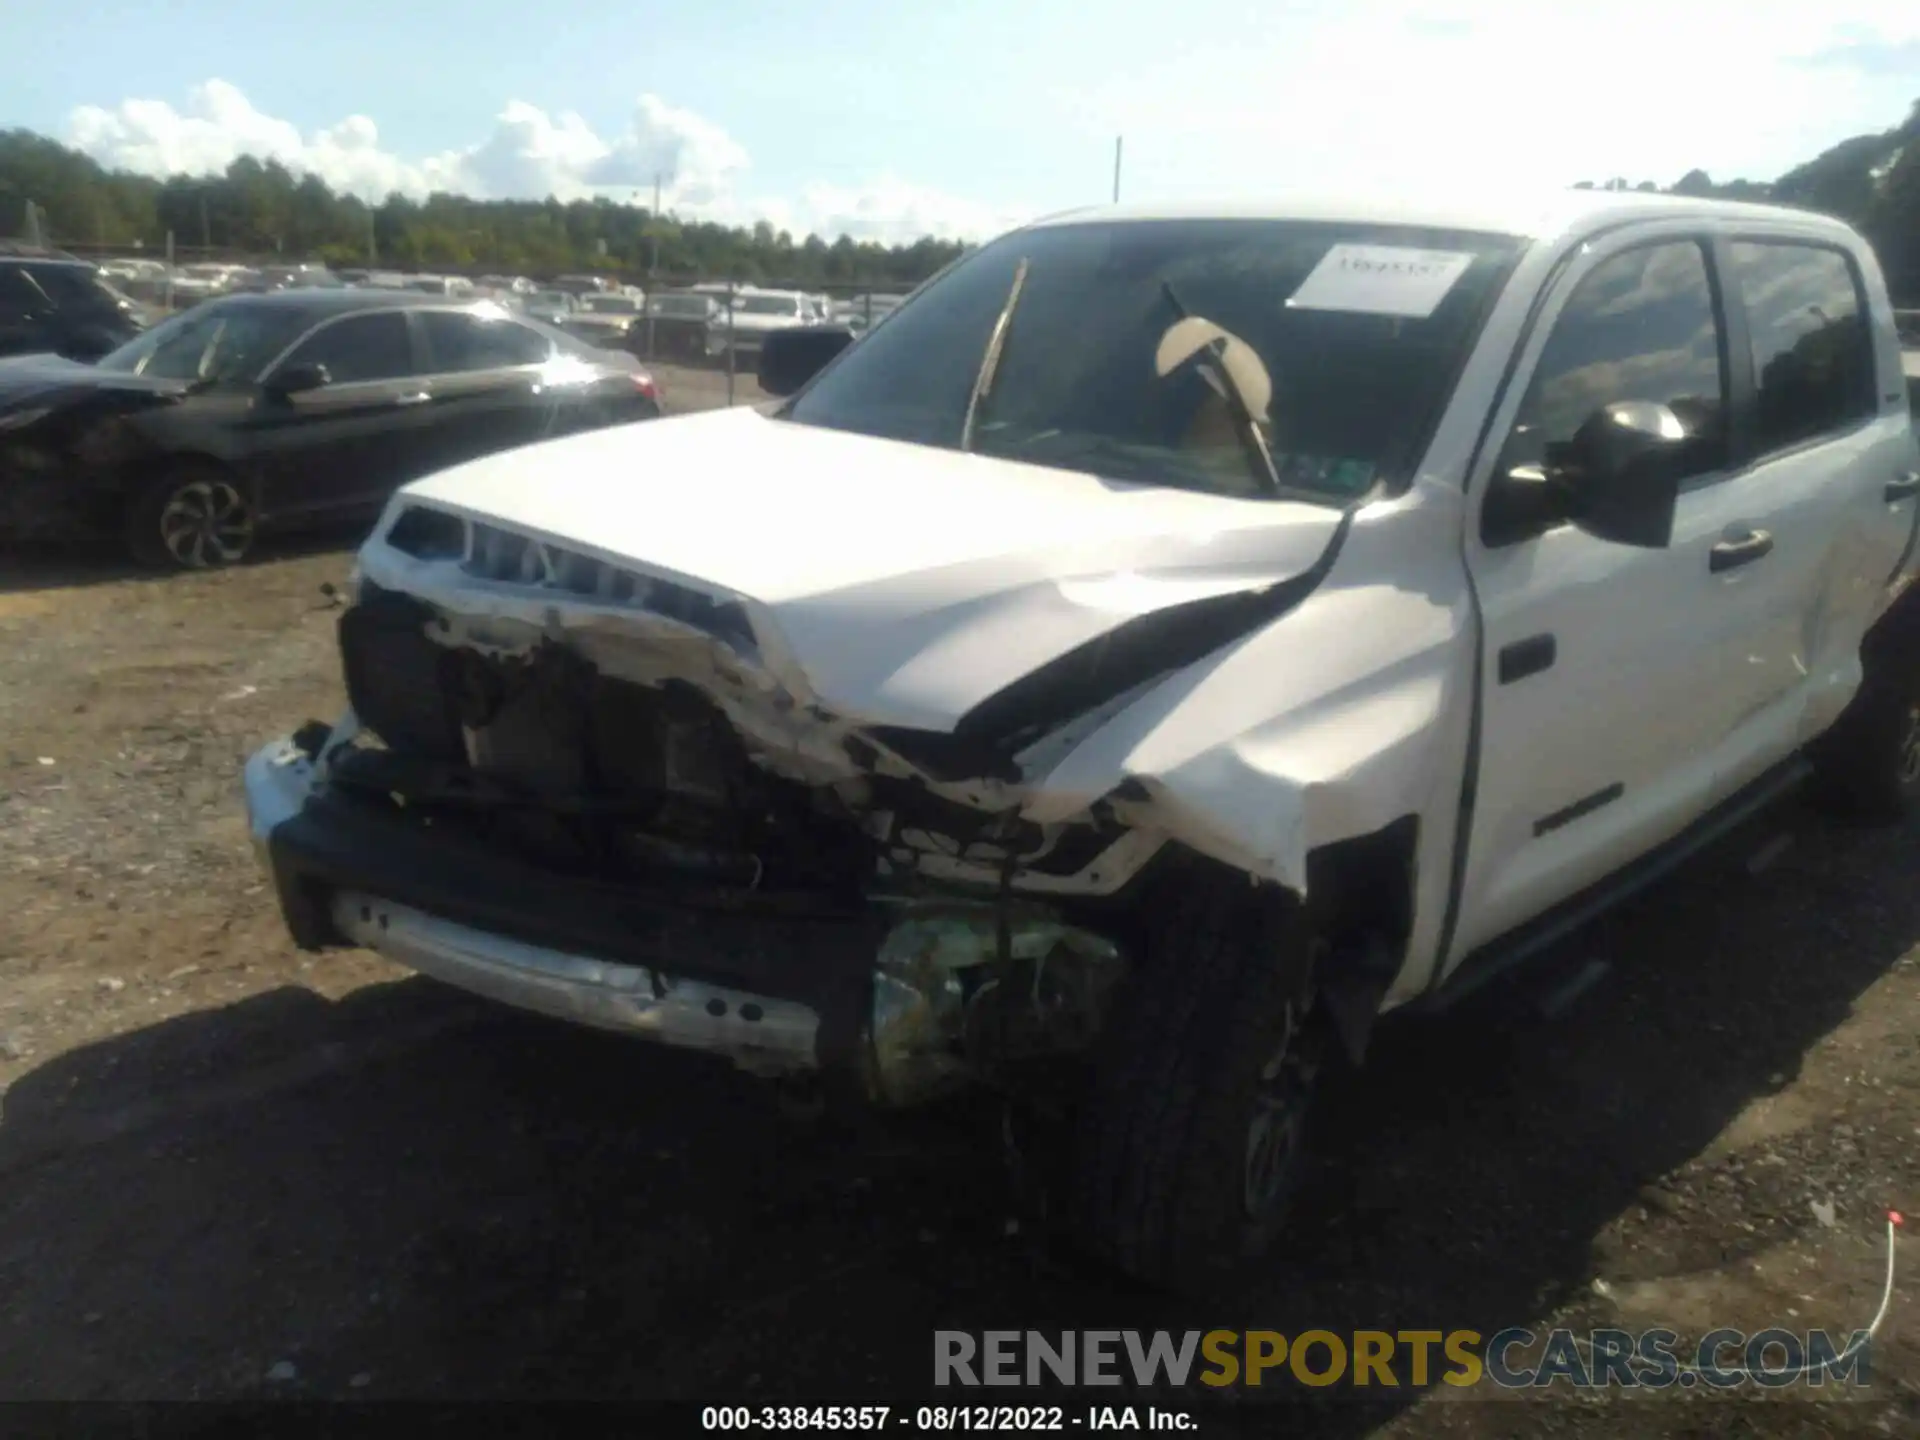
{"x":774,"y":993}
{"x":761,"y":1034}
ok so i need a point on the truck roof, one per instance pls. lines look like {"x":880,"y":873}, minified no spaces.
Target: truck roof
{"x":1534,"y":215}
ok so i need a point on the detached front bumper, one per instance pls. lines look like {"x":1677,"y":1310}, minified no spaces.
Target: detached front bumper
{"x":775,"y":995}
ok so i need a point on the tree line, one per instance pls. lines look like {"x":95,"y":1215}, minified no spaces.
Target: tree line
{"x":262,"y":208}
{"x":1871,"y":181}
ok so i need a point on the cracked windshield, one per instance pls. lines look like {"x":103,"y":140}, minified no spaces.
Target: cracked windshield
{"x":1083,"y":379}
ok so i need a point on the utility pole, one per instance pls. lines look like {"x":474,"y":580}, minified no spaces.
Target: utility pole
{"x":653,"y":258}
{"x":206,"y":235}
{"x":1116,"y":169}
{"x":653,"y":261}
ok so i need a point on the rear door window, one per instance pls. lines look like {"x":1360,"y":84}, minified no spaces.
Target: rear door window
{"x":360,"y":348}
{"x":1812,"y":348}
{"x":458,"y":342}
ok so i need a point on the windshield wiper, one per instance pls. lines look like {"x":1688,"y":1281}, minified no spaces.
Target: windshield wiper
{"x":1226,"y":383}
{"x":990,"y":362}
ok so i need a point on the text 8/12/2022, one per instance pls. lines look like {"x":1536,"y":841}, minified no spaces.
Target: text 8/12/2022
{"x":939,"y":1418}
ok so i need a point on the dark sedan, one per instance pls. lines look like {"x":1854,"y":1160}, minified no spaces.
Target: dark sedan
{"x":257,"y":412}
{"x":61,"y":305}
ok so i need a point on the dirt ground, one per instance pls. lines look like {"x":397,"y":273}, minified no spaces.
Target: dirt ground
{"x":229,"y":1169}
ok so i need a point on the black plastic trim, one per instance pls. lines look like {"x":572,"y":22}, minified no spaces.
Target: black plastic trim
{"x":820,"y":958}
{"x":1527,"y":657}
{"x":1157,"y":643}
{"x":1584,"y":806}
{"x":1527,"y":940}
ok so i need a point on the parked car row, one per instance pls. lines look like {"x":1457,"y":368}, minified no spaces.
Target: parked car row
{"x":283,"y":409}
{"x":68,"y":307}
{"x":701,"y":324}
{"x":597,"y":308}
{"x":178,"y":286}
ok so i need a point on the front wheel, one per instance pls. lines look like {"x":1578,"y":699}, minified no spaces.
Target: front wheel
{"x":194,"y":517}
{"x":1193,"y":1138}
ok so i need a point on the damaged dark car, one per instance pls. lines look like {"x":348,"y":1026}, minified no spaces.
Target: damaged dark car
{"x":291,"y":409}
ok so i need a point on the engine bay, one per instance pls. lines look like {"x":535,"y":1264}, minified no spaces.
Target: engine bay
{"x":580,"y":773}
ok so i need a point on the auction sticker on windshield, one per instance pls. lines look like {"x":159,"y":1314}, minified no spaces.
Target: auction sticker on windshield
{"x":1381,"y":280}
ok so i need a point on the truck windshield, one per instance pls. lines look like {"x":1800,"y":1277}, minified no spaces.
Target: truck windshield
{"x":1118,"y":339}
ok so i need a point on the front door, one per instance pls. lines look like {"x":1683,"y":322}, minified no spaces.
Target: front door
{"x":345,"y":446}
{"x":1619,"y":683}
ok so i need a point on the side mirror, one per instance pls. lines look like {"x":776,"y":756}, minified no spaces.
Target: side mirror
{"x":790,"y":358}
{"x":1618,"y":478}
{"x":298,"y":379}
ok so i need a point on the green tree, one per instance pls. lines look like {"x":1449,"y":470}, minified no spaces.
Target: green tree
{"x":259,"y":207}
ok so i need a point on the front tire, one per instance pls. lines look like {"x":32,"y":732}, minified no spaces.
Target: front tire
{"x":1193,"y":1138}
{"x":192,"y":517}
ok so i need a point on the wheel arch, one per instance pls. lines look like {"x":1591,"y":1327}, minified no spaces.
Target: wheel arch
{"x":1361,"y":893}
{"x":1895,"y":637}
{"x":1365,"y":890}
{"x":172,"y":462}
{"x":142,"y":482}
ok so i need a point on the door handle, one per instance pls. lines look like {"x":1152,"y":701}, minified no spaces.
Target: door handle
{"x":1730,"y":554}
{"x":1902,"y":487}
{"x":418,"y":397}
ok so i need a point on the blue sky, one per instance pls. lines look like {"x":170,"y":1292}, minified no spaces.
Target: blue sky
{"x":888,"y":120}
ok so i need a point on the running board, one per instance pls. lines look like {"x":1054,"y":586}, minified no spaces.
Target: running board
{"x":1527,"y":941}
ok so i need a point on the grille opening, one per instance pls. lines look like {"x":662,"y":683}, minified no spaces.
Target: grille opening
{"x":501,"y":556}
{"x":429,"y":534}
{"x":595,"y":778}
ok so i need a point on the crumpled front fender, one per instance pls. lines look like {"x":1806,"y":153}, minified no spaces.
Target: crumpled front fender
{"x":1341,"y":717}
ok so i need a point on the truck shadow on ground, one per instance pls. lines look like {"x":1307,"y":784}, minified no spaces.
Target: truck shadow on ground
{"x":408,"y":1193}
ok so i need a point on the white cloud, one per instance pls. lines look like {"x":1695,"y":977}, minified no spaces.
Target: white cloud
{"x":1360,"y":95}
{"x":529,"y":153}
{"x":1388,"y":93}
{"x":894,"y":211}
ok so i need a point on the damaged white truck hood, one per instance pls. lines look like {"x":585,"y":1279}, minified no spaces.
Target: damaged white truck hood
{"x":887,"y":583}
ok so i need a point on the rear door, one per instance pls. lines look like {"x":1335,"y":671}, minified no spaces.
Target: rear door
{"x":1619,"y":684}
{"x":1829,"y":455}
{"x":490,"y":383}
{"x":347,"y":445}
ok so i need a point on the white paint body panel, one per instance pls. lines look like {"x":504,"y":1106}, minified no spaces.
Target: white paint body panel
{"x":904,"y":584}
{"x":1676,"y":684}
{"x":890,"y":584}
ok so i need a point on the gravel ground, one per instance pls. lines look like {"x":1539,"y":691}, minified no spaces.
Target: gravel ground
{"x":228,"y":1169}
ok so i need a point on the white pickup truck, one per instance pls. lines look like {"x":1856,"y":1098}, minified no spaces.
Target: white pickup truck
{"x":1174,"y":639}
